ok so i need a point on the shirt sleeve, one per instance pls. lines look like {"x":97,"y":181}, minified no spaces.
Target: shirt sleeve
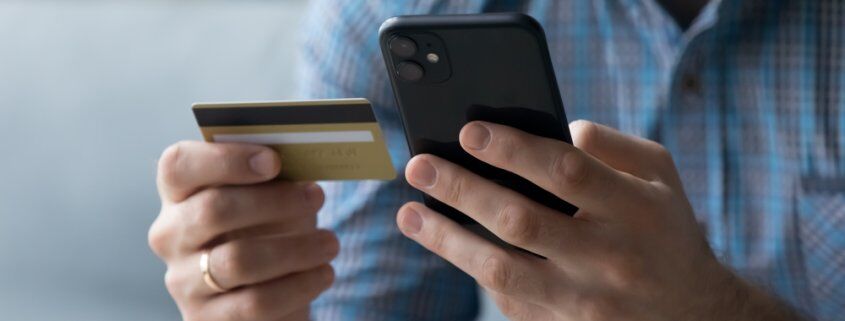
{"x":381,"y":275}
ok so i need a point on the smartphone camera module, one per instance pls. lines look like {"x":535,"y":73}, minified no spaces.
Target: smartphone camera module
{"x":418,"y":65}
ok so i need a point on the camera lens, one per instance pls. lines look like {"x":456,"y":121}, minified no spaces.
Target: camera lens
{"x":403,"y":47}
{"x":410,"y":71}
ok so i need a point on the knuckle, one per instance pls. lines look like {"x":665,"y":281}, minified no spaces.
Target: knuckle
{"x":330,"y":243}
{"x":660,"y":151}
{"x":507,"y":147}
{"x":557,"y":167}
{"x":438,"y":240}
{"x":496,"y":274}
{"x":174,"y":284}
{"x":569,"y":170}
{"x":654,"y":196}
{"x":316,"y":199}
{"x":210,"y":208}
{"x":305,"y":222}
{"x":157,"y":238}
{"x":576,"y":175}
{"x":661,"y":156}
{"x":517,"y":224}
{"x":230,"y":260}
{"x":219,"y":152}
{"x":456,"y":189}
{"x":327,"y":276}
{"x":169,"y":163}
{"x":624,"y":272}
{"x":225,"y":156}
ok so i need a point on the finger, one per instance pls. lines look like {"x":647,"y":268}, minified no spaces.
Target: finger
{"x":634,"y":155}
{"x":270,"y":300}
{"x":303,"y":314}
{"x":511,"y":216}
{"x":296,"y":225}
{"x":557,"y":167}
{"x":255,"y":260}
{"x":187,"y":166}
{"x":246,"y":262}
{"x":519,"y":310}
{"x":493,"y":267}
{"x":216,"y":211}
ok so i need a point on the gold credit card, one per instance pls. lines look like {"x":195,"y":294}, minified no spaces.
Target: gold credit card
{"x":332,"y":139}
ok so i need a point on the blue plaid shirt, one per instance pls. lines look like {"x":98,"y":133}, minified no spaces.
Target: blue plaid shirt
{"x":749,"y":100}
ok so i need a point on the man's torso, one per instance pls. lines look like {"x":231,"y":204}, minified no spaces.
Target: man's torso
{"x":749,"y":100}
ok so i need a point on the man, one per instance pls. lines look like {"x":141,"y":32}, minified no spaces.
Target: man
{"x":745,"y":95}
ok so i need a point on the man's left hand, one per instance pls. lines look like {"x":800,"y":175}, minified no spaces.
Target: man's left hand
{"x":633,"y":251}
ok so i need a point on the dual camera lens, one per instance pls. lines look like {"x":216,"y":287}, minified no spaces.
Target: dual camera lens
{"x":406,"y":48}
{"x":419,"y":58}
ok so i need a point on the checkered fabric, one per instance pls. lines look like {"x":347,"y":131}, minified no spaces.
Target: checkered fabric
{"x":749,"y":100}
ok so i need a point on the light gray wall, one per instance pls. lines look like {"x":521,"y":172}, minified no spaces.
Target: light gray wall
{"x":90,"y":93}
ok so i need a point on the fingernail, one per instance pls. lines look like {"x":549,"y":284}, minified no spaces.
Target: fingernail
{"x":263,"y":163}
{"x":411,"y":221}
{"x":423,"y":174}
{"x":476,"y":136}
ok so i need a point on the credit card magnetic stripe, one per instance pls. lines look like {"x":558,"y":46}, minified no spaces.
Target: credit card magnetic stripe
{"x":287,"y":115}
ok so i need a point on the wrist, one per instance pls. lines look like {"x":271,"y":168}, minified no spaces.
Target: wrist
{"x":727,"y":297}
{"x":711,"y":290}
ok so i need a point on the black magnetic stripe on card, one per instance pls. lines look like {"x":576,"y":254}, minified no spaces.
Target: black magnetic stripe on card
{"x":284,"y":115}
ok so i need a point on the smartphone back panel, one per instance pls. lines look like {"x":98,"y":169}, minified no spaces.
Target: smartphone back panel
{"x":491,"y":67}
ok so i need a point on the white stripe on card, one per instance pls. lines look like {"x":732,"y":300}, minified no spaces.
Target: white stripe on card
{"x":348,"y":136}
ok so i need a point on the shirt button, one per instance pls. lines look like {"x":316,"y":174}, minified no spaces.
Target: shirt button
{"x":691,"y":84}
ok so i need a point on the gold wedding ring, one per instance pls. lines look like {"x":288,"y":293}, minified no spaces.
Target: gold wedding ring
{"x":205,"y":268}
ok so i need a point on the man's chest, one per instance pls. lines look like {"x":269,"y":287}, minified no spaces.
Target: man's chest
{"x":751,"y":109}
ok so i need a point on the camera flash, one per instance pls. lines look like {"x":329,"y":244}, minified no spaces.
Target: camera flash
{"x":432,"y":58}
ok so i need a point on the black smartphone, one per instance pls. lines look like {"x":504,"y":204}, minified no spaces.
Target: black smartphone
{"x":449,"y":70}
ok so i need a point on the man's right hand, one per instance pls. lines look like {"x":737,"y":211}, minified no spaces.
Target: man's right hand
{"x":261,"y":235}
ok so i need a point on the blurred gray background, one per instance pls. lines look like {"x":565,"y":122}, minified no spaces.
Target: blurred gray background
{"x":90,"y":94}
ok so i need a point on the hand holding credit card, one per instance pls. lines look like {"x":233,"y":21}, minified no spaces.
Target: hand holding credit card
{"x":332,"y":139}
